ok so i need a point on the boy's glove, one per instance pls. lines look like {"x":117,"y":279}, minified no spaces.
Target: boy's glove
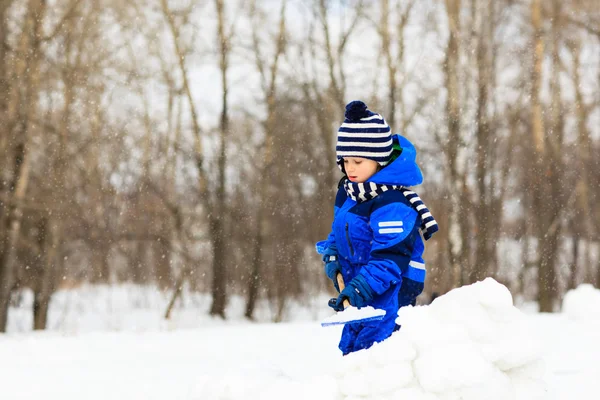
{"x":358,"y":292}
{"x":332,"y":266}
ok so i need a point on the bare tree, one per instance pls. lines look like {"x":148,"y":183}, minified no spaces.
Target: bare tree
{"x":52,"y":230}
{"x":546,"y":222}
{"x":395,"y":61}
{"x":485,"y":210}
{"x":337,"y":77}
{"x":268,"y":70}
{"x":212,"y":208}
{"x":217,"y":228}
{"x":21,"y":109}
{"x":4,"y":77}
{"x":586,"y":230}
{"x":324,"y":86}
{"x":457,"y":243}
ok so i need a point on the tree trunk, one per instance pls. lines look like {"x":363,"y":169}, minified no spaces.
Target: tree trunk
{"x":25,"y":107}
{"x":4,"y":83}
{"x":100,"y":268}
{"x":217,"y":217}
{"x":52,"y":228}
{"x":547,"y":278}
{"x":546,"y":274}
{"x":13,"y":228}
{"x":41,"y":305}
{"x":255,"y":275}
{"x":163,"y":270}
{"x":135,"y":261}
{"x":176,"y":293}
{"x":573,"y":269}
{"x":484,"y":211}
{"x":264,"y":186}
{"x":219,"y":286}
{"x":584,"y":145}
{"x":455,"y":235}
{"x":548,"y":194}
{"x":40,"y":282}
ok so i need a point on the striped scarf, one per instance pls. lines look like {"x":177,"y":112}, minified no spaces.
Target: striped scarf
{"x":361,"y":192}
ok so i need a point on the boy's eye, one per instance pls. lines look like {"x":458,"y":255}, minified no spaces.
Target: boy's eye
{"x":345,"y":161}
{"x":357,"y":162}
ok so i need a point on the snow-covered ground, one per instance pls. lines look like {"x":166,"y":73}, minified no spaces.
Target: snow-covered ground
{"x":469,"y":344}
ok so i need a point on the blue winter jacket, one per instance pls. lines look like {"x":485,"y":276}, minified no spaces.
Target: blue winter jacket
{"x":380,"y":240}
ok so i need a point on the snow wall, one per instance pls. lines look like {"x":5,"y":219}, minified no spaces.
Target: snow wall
{"x":469,"y":344}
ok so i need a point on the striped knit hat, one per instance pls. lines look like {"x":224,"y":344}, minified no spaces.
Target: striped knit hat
{"x":364,"y":134}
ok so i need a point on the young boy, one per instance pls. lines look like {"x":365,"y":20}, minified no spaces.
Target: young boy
{"x":375,"y":242}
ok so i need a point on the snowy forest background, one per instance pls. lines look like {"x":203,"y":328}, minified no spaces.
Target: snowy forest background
{"x":192,"y":143}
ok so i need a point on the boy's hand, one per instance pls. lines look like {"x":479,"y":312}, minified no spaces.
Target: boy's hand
{"x":358,"y":292}
{"x":332,"y":265}
{"x":332,"y":268}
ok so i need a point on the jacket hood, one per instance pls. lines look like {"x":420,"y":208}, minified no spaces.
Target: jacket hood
{"x":404,"y":170}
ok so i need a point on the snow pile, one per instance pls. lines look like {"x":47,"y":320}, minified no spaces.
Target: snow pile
{"x":468,"y":344}
{"x":471,"y":343}
{"x":582,"y":303}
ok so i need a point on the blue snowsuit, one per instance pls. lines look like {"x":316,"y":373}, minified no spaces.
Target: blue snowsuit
{"x":380,"y":240}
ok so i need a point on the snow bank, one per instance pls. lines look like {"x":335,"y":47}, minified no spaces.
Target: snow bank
{"x":582,"y":303}
{"x":471,"y":343}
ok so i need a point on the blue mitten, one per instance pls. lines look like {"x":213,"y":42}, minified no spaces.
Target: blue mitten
{"x":358,"y":292}
{"x":332,"y":266}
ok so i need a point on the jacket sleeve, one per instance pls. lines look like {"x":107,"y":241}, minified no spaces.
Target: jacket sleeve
{"x":328,"y":245}
{"x":394,"y":234}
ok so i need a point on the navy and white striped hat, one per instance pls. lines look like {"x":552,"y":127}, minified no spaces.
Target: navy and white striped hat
{"x":364,"y":134}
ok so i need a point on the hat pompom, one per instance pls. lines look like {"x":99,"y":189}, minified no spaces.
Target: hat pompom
{"x":355,"y":110}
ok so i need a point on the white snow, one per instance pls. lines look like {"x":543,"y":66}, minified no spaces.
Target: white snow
{"x":582,"y":303}
{"x":468,"y":344}
{"x":471,"y":343}
{"x":352,"y":313}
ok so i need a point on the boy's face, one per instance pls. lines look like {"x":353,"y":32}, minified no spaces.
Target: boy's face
{"x":360,"y":169}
